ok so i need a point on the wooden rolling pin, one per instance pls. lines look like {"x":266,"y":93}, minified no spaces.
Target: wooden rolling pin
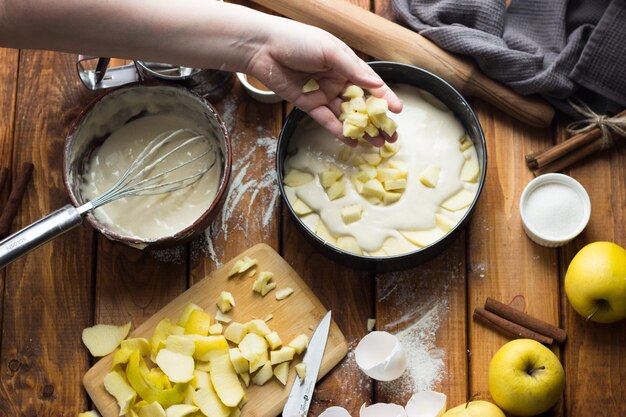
{"x":386,"y":40}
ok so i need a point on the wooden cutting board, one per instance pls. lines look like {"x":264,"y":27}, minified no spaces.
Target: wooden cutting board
{"x":300,"y":313}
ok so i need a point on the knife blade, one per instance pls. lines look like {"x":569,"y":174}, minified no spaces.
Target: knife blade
{"x":301,"y":393}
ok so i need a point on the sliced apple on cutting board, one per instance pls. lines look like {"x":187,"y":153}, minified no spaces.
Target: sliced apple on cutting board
{"x":298,"y":314}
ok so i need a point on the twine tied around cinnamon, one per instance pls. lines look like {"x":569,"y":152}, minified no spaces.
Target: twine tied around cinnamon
{"x":609,"y":126}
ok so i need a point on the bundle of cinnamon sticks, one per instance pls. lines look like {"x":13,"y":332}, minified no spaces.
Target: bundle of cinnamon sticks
{"x":572,"y":150}
{"x":517,"y":324}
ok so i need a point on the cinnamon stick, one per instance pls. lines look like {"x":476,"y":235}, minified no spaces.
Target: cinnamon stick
{"x":15,"y":198}
{"x":508,"y":327}
{"x":570,"y":158}
{"x":4,"y":174}
{"x":546,"y":156}
{"x":525,"y":320}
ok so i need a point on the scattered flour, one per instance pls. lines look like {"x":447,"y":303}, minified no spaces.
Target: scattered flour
{"x":255,"y":211}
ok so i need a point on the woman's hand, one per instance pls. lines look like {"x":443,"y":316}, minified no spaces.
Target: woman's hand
{"x":295,"y":53}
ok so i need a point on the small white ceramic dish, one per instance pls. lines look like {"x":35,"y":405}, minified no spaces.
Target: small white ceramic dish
{"x":547,"y":219}
{"x":263,"y":96}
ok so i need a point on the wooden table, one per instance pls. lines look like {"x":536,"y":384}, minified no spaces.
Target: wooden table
{"x":81,"y":278}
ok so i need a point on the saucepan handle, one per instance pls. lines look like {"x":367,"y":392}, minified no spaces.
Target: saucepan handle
{"x":38,"y":233}
{"x":103,"y":76}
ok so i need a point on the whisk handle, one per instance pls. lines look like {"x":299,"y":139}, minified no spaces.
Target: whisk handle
{"x":38,"y":233}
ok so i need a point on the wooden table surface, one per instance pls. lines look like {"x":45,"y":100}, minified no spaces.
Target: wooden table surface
{"x":49,"y":296}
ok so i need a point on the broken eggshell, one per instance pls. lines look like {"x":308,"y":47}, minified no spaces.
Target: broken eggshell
{"x":335,"y":412}
{"x":380,"y":356}
{"x":382,"y":410}
{"x":426,"y":404}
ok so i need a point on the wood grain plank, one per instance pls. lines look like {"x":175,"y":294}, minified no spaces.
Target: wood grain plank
{"x":595,"y":362}
{"x":502,"y":261}
{"x":48,"y":292}
{"x":426,"y":306}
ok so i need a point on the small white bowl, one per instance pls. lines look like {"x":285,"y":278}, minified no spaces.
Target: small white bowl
{"x":264,"y":96}
{"x":537,"y":229}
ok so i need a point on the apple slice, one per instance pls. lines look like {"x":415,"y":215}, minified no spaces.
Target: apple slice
{"x":209,"y":403}
{"x":337,"y":190}
{"x":116,"y":384}
{"x":177,"y":366}
{"x":323,"y":233}
{"x":391,"y":197}
{"x":103,"y":339}
{"x":301,"y":371}
{"x":283,"y":293}
{"x":395,"y":185}
{"x":299,"y":343}
{"x":216,"y":329}
{"x":200,"y":379}
{"x":397,"y":246}
{"x":296,"y":178}
{"x":153,"y":409}
{"x":225,"y":381}
{"x":459,"y":201}
{"x":181,"y":344}
{"x":235,"y":332}
{"x":180,"y":410}
{"x":349,"y":244}
{"x":470,"y":170}
{"x":284,"y":354}
{"x":423,"y":238}
{"x":430,"y":176}
{"x":310,"y":86}
{"x":162,"y":330}
{"x":264,"y":374}
{"x":444,"y":222}
{"x":240,"y":363}
{"x":281,"y":372}
{"x":206,"y":347}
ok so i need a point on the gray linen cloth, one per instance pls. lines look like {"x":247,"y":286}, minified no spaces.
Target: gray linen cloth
{"x":556,"y":48}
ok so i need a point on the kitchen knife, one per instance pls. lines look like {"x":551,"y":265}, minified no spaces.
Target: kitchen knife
{"x":301,"y":393}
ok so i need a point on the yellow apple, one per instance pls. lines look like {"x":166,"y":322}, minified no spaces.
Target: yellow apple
{"x":595,"y":282}
{"x":525,"y":378}
{"x":475,"y":409}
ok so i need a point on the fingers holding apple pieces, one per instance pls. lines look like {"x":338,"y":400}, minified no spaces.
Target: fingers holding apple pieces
{"x":595,"y":282}
{"x":525,"y":378}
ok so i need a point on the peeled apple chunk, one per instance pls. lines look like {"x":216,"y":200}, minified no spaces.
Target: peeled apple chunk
{"x":470,"y":170}
{"x":177,"y":366}
{"x":426,"y":404}
{"x":258,"y":326}
{"x":458,"y":201}
{"x":209,"y":403}
{"x":240,"y":363}
{"x":235,"y":332}
{"x":283,"y":293}
{"x":263,"y":375}
{"x":153,"y":409}
{"x":299,"y":343}
{"x":423,"y":238}
{"x":115,"y":384}
{"x":301,"y":370}
{"x":103,"y":339}
{"x":310,"y":86}
{"x":225,"y":381}
{"x":226,"y":302}
{"x":430,"y":176}
{"x":296,"y":178}
{"x":353,"y":91}
{"x":281,"y":372}
{"x":301,"y":208}
{"x":253,"y":346}
{"x":284,"y":354}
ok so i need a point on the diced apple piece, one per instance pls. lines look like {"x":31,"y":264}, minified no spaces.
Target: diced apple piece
{"x":258,"y":326}
{"x":299,"y":343}
{"x":330,"y":176}
{"x":239,"y":362}
{"x":253,"y":346}
{"x":371,"y":130}
{"x":366,"y":172}
{"x":221,"y":317}
{"x":283,"y":293}
{"x":358,"y":105}
{"x":358,"y":185}
{"x":400,"y":166}
{"x":459,"y":201}
{"x":153,"y":409}
{"x":353,"y":91}
{"x":184,"y":316}
{"x":116,"y":384}
{"x":337,"y":190}
{"x":323,"y":233}
{"x":384,"y":123}
{"x":389,"y":149}
{"x":390,"y":198}
{"x":103,"y":339}
{"x":423,"y":237}
{"x":225,"y":381}
{"x":207,"y":347}
{"x":281,"y":372}
{"x":310,"y":86}
{"x":262,"y":284}
{"x":284,"y":354}
{"x":273,"y":339}
{"x":268,"y":317}
{"x":430,"y":176}
{"x":465,"y":143}
{"x":351,"y":131}
{"x":372,"y":158}
{"x":386,"y":174}
{"x":209,"y":403}
{"x":394,"y":185}
{"x":375,"y":201}
{"x":242,"y":265}
{"x":180,"y":344}
{"x":216,"y":329}
{"x":200,"y":379}
{"x":233,"y":271}
{"x":371,"y":323}
{"x":352,"y":213}
{"x":245,"y":377}
{"x":264,"y":374}
{"x":346,"y":108}
{"x":198,"y":323}
{"x":357,"y":160}
{"x":470,"y":170}
{"x":259,"y":362}
{"x":301,"y":371}
{"x":349,"y":244}
{"x":374,"y":188}
{"x":235,"y":332}
{"x":177,"y":366}
{"x":375,"y":105}
{"x":180,"y":410}
{"x":444,"y":222}
{"x":296,"y":178}
{"x":345,"y":153}
{"x":226,"y":302}
{"x":394,"y":246}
